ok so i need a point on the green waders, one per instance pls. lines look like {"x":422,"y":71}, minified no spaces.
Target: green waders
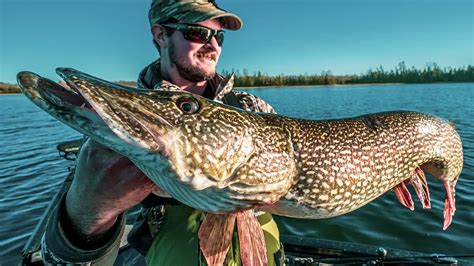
{"x":176,"y":242}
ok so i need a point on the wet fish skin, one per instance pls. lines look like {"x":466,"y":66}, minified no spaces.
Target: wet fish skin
{"x":221,"y":159}
{"x":348,"y":163}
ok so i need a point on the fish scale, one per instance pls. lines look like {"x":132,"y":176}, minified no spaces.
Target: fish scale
{"x":376,"y":170}
{"x":222,"y":159}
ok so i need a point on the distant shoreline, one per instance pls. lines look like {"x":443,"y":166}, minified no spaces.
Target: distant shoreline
{"x":431,"y":74}
{"x":331,"y":85}
{"x":355,"y":84}
{"x":301,"y":86}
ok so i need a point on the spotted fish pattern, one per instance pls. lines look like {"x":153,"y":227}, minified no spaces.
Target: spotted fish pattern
{"x":222,"y":159}
{"x":348,"y":163}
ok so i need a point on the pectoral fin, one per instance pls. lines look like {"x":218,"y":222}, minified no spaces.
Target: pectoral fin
{"x":251,"y":239}
{"x":215,"y":235}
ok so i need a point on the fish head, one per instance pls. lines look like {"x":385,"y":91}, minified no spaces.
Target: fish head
{"x":204,"y":143}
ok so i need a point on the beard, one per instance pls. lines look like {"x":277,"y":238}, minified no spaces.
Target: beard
{"x":189,"y":72}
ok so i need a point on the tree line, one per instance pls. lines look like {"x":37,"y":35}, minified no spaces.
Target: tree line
{"x":432,"y":72}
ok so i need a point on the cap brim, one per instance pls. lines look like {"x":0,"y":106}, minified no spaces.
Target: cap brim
{"x":228,"y":20}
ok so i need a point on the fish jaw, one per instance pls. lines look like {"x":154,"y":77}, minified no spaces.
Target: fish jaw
{"x":117,"y":105}
{"x":69,"y":106}
{"x":65,"y":105}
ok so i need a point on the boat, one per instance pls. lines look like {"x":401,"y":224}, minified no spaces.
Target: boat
{"x":298,"y":250}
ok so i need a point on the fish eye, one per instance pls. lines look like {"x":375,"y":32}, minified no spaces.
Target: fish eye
{"x":188,"y":105}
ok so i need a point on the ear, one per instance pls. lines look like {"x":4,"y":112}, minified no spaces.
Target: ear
{"x":159,"y":35}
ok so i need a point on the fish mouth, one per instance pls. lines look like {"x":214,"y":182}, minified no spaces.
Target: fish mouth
{"x":36,"y":87}
{"x":101,"y":96}
{"x":86,"y":103}
{"x":61,"y":102}
{"x":68,"y":106}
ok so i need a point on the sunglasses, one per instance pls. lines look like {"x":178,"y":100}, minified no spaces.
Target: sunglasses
{"x":197,"y":33}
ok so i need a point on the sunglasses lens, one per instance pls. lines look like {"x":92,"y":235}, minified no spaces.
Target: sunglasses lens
{"x":220,"y":37}
{"x":198,"y":35}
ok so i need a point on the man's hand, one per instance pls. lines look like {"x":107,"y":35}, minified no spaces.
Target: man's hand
{"x":105,"y":185}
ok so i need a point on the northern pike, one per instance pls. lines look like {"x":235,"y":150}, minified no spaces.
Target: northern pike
{"x":224,"y":160}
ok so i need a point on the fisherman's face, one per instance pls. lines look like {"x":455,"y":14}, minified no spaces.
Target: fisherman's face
{"x":195,"y":61}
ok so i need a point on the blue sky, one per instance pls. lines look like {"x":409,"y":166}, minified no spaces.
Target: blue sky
{"x":111,"y":38}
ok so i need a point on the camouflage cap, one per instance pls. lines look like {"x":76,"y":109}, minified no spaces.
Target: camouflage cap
{"x":191,"y":11}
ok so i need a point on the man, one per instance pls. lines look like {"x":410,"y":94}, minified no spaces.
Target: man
{"x":89,"y":222}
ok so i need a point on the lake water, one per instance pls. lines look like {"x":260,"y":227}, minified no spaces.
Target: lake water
{"x":31,"y":171}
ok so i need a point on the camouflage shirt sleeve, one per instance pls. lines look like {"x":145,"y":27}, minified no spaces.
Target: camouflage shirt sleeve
{"x":57,"y":248}
{"x":253,"y":103}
